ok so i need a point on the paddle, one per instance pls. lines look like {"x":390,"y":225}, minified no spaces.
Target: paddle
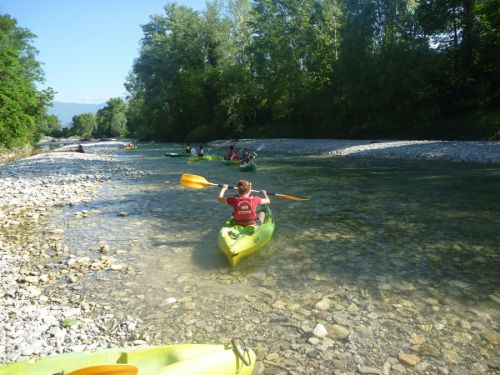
{"x":198,"y":182}
{"x":117,"y":369}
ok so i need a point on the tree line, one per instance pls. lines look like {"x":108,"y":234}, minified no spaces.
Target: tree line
{"x":319,"y":68}
{"x":284,"y":68}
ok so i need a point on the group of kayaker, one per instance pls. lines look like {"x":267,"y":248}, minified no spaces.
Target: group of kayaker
{"x":246,"y":158}
{"x":192,"y":150}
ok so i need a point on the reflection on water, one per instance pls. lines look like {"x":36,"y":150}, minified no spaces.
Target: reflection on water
{"x":379,"y":235}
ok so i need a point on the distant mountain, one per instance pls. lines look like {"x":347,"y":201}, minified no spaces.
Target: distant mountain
{"x":66,"y":111}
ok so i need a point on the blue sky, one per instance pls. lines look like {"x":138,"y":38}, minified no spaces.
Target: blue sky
{"x":87,"y":47}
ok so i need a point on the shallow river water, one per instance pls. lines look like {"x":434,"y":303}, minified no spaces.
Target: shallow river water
{"x":403,"y":257}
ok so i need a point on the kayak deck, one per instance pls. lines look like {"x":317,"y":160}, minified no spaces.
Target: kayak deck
{"x":237,"y":242}
{"x":182,"y":359}
{"x":248,"y":167}
{"x":206,"y":157}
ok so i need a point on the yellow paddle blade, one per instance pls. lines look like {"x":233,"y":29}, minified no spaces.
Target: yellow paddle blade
{"x":107,"y":370}
{"x":194,"y":181}
{"x":292,"y":198}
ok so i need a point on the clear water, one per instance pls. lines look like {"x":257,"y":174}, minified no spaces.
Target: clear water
{"x":375,"y":233}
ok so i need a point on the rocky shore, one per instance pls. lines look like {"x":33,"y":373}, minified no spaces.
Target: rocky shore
{"x":33,"y":324}
{"x":456,"y":151}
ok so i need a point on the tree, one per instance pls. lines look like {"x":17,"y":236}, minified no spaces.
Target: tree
{"x":52,"y":126}
{"x":83,"y":125}
{"x":22,"y":106}
{"x":112,"y":120}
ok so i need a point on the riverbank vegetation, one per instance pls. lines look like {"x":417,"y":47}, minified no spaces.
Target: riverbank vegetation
{"x":23,"y":107}
{"x":400,"y":69}
{"x":309,"y":68}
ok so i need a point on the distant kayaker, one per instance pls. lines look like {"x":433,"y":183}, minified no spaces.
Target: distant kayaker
{"x":245,"y":205}
{"x":201,"y":152}
{"x":188,"y":149}
{"x":193,"y":151}
{"x":247,"y":157}
{"x":231,"y":154}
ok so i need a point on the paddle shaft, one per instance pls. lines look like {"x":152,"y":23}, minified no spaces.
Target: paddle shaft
{"x":253,"y":191}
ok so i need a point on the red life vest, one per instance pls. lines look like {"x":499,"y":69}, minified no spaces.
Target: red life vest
{"x":245,"y":209}
{"x":232,"y":155}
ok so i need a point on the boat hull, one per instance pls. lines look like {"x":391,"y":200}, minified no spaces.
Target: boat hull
{"x":231,"y":162}
{"x":237,"y":242}
{"x":182,"y":359}
{"x":176,"y":155}
{"x":249,"y":167}
{"x":204,"y":158}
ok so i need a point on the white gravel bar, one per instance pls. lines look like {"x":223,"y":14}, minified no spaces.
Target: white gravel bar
{"x":454,"y":151}
{"x":32,"y":324}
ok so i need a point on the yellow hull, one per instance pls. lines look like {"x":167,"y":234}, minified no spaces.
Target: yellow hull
{"x":238,"y":242}
{"x":182,"y":359}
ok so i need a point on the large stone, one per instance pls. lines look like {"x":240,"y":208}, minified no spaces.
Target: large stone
{"x":323,"y":304}
{"x":491,"y":337}
{"x":409,"y":359}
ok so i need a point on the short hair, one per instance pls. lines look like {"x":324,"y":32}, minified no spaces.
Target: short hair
{"x":244,"y":186}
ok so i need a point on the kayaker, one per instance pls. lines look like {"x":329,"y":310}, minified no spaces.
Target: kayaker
{"x":245,"y":205}
{"x":248,"y":157}
{"x":188,"y":149}
{"x":193,"y":151}
{"x":231,"y":154}
{"x":244,"y":156}
{"x":201,"y":152}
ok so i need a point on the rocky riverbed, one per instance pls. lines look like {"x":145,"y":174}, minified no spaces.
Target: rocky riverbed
{"x":32,"y":323}
{"x":365,"y":326}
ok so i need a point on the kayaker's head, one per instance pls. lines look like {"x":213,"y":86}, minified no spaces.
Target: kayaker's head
{"x":244,"y":187}
{"x":231,"y":147}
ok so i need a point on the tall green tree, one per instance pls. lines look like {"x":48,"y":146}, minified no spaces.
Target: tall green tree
{"x":83,"y":125}
{"x":22,"y":105}
{"x":111,"y":120}
{"x":52,"y":126}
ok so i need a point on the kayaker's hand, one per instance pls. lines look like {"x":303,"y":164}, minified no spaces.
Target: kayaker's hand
{"x":263,"y":193}
{"x":225,"y":186}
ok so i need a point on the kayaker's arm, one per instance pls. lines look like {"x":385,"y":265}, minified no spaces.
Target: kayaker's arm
{"x":265,"y":198}
{"x":221,"y":198}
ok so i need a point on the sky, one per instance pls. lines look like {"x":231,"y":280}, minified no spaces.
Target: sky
{"x":87,"y":47}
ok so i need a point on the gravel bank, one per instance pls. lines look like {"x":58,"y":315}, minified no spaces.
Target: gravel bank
{"x":34,"y":324}
{"x":456,"y":151}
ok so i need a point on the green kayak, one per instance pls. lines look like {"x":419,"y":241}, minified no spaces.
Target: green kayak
{"x":204,"y":158}
{"x":177,"y":154}
{"x":231,"y":162}
{"x":182,"y":359}
{"x":237,"y":242}
{"x":248,"y":167}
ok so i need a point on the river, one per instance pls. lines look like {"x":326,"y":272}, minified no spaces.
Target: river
{"x":389,"y":257}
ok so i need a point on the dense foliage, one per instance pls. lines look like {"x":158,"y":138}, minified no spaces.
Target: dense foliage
{"x":319,"y":68}
{"x":111,"y":121}
{"x":23,"y":108}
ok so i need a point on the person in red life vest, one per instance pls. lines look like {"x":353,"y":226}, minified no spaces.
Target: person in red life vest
{"x":231,"y":154}
{"x":245,"y":205}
